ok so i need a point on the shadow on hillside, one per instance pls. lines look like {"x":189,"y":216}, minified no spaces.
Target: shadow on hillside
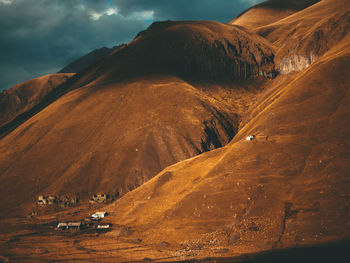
{"x":338,"y":252}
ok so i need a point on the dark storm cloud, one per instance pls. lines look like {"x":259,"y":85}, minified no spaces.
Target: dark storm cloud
{"x":41,"y":36}
{"x":218,"y":10}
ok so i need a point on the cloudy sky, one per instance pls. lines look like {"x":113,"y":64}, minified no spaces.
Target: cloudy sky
{"x":38,"y":37}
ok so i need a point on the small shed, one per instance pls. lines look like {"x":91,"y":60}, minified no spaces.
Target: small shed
{"x":99,"y":215}
{"x":74,"y":225}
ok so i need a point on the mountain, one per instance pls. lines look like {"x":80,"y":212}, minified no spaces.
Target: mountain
{"x":303,"y":37}
{"x":164,"y":120}
{"x":269,"y":12}
{"x":116,"y":128}
{"x":287,"y":188}
{"x":88,"y":60}
{"x":110,"y":138}
{"x":26,"y":95}
{"x":194,"y":51}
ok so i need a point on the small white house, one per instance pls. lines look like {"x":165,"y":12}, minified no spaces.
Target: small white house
{"x":250,"y":138}
{"x":99,"y":215}
{"x":107,"y":226}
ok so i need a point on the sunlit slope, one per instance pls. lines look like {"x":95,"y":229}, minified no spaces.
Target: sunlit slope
{"x":110,"y":138}
{"x":303,"y":37}
{"x":288,"y":187}
{"x":269,"y":12}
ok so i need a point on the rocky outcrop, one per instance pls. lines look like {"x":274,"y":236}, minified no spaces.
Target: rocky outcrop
{"x":295,"y":63}
{"x":312,"y":45}
{"x":300,"y":41}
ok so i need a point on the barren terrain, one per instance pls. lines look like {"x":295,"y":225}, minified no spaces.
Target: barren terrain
{"x":163,"y":121}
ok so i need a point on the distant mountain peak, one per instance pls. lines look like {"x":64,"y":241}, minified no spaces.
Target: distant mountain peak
{"x":88,"y":60}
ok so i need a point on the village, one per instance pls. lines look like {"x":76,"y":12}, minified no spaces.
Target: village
{"x":71,"y":201}
{"x":93,"y":222}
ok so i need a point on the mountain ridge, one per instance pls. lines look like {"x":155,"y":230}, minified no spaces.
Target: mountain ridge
{"x":89,"y":59}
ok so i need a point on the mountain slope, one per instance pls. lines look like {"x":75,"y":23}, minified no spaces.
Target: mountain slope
{"x":269,"y":12}
{"x":110,"y":138}
{"x":303,"y":37}
{"x":88,"y":60}
{"x":287,"y":188}
{"x":161,"y":99}
{"x":24,"y":96}
{"x":192,"y":50}
{"x":111,"y":134}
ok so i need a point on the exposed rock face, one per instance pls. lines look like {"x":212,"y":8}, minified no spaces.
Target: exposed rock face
{"x":200,"y":51}
{"x":301,"y":41}
{"x":295,"y":63}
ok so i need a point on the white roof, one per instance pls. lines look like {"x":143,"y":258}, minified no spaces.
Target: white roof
{"x":102,"y":226}
{"x":100,"y":213}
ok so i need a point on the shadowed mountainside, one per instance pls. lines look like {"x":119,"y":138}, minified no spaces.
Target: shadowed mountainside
{"x":195,"y":51}
{"x":26,"y":95}
{"x":88,"y":60}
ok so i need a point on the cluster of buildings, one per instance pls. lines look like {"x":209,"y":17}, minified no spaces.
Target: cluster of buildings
{"x":54,"y":200}
{"x":100,"y":198}
{"x":88,"y":223}
{"x":67,"y":201}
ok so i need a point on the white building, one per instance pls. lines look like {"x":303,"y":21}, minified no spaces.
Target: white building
{"x":99,"y":215}
{"x":250,"y":138}
{"x":103,"y":226}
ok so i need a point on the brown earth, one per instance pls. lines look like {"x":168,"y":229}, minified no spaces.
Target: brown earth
{"x":289,"y":188}
{"x":110,"y":138}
